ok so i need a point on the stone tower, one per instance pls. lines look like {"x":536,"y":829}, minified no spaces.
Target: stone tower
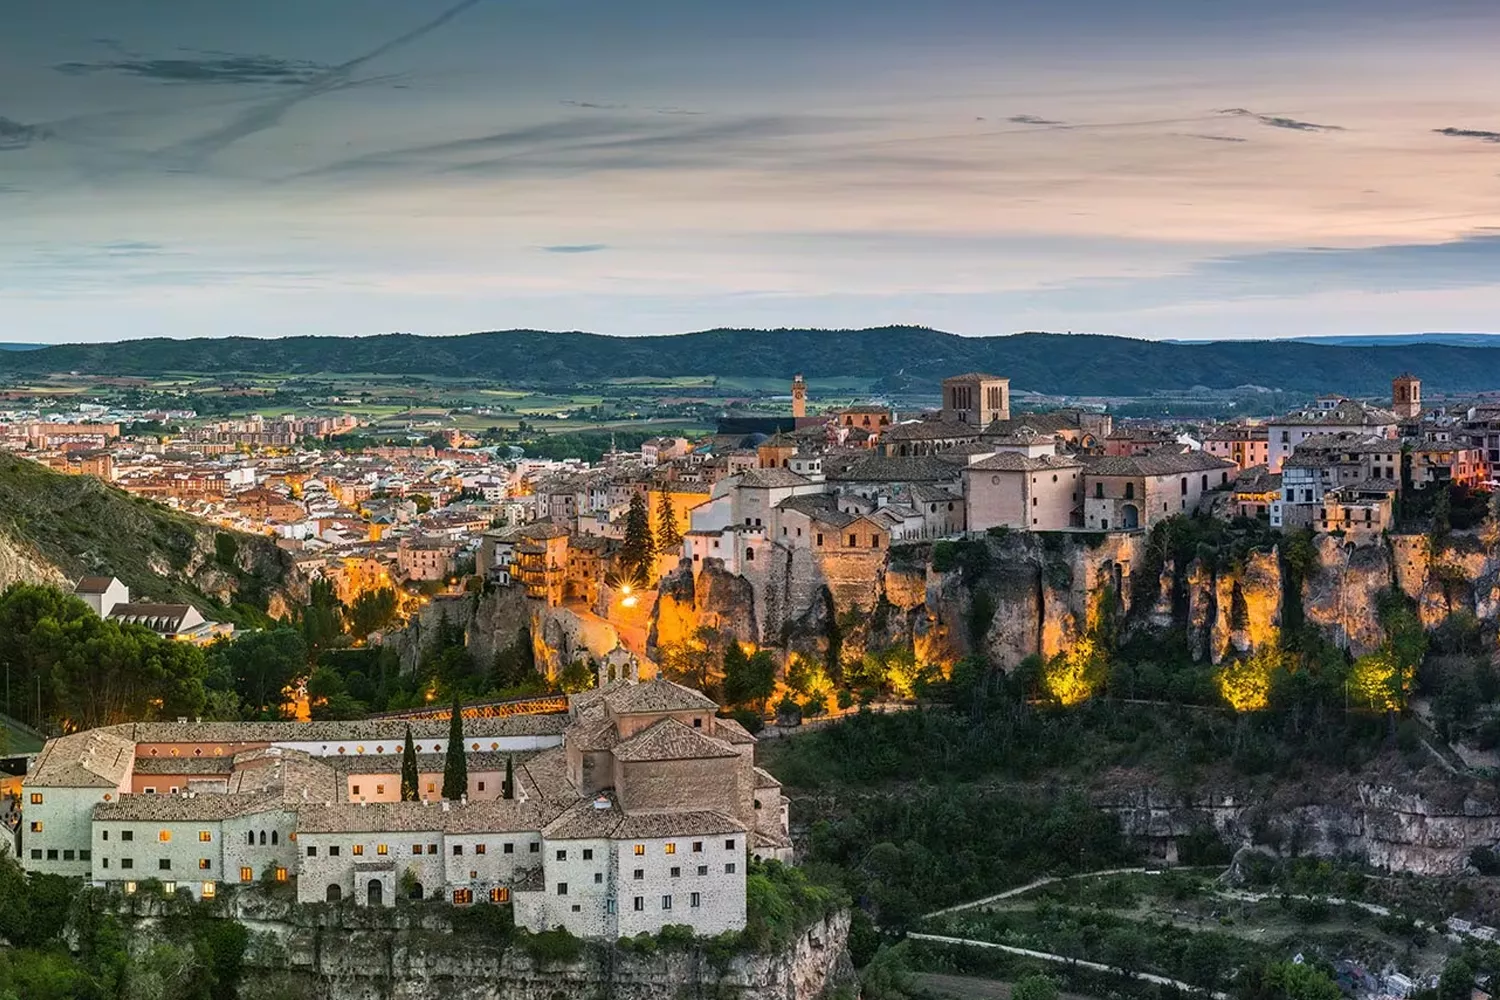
{"x":799,"y":396}
{"x":976,"y":399}
{"x":1406,"y":396}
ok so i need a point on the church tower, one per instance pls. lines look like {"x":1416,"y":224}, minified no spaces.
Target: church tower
{"x":799,"y":397}
{"x":1406,"y":396}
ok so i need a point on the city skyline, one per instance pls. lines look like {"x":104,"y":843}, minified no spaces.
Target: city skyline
{"x":1171,"y":171}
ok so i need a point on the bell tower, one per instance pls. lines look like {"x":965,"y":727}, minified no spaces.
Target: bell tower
{"x":1406,"y":396}
{"x":799,"y":396}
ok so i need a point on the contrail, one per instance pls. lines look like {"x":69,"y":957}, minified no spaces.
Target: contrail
{"x":270,"y":114}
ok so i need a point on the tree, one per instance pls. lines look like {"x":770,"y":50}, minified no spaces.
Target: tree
{"x":1457,"y":980}
{"x":508,"y":790}
{"x":321,"y":620}
{"x":1034,"y":987}
{"x":456,"y":766}
{"x":638,"y":546}
{"x":410,"y":779}
{"x":748,"y":680}
{"x":263,"y":665}
{"x":575,"y":677}
{"x":668,"y":538}
{"x":372,"y":611}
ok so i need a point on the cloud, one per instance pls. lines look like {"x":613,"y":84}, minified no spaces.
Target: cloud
{"x":1277,"y":121}
{"x":594,"y":105}
{"x":269,"y":114}
{"x":575,"y":247}
{"x":1469,"y":133}
{"x":1213,"y":138}
{"x":15,"y":135}
{"x":215,"y":68}
{"x":1032,"y":120}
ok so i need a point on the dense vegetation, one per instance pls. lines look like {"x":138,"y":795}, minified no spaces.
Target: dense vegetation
{"x":1043,"y":362}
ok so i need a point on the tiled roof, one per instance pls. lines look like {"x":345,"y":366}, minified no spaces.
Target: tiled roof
{"x":929,"y":430}
{"x":659,"y":695}
{"x":671,"y":740}
{"x":975,"y":377}
{"x":388,"y":730}
{"x":771,"y":478}
{"x":93,"y":584}
{"x":1009,"y":461}
{"x":731,"y":731}
{"x":765,"y":836}
{"x":188,"y":808}
{"x":184,"y":765}
{"x":93,"y":759}
{"x":650,"y":826}
{"x":1346,"y":414}
{"x":588,"y":819}
{"x":764,"y":779}
{"x":1157,"y":464}
{"x":897,"y":469}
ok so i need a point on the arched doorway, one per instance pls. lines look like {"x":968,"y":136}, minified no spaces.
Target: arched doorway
{"x":1130,"y":516}
{"x":376,"y":893}
{"x":416,"y":890}
{"x":334,"y":894}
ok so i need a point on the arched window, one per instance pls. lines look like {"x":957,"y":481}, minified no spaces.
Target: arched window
{"x":275,"y":837}
{"x":262,"y":838}
{"x":249,"y":838}
{"x":750,"y":555}
{"x":1129,"y":490}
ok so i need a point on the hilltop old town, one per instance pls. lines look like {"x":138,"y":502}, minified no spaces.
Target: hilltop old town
{"x":632,"y":805}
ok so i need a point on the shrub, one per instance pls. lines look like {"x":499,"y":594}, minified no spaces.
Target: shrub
{"x":557,"y":946}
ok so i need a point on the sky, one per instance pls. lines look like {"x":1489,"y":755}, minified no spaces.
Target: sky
{"x":1152,"y":168}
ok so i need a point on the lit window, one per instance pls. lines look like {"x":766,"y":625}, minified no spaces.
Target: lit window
{"x":169,"y":888}
{"x":640,"y":850}
{"x":379,"y":789}
{"x":416,"y":848}
{"x":501,"y":895}
{"x":36,"y":827}
{"x":130,"y":888}
{"x":247,"y":874}
{"x":281,"y":874}
{"x":382,"y":850}
{"x":205,"y":837}
{"x":481,"y":848}
{"x":671,"y":848}
{"x":463,"y":897}
{"x":204,"y":864}
{"x":36,"y":798}
{"x":359,"y":850}
{"x":209,"y":889}
{"x":164,"y":836}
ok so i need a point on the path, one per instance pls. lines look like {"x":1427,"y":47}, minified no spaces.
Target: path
{"x":1021,"y":890}
{"x":1047,"y":956}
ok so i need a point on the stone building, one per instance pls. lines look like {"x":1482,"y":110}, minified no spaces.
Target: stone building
{"x":1126,"y":494}
{"x":638,"y":808}
{"x":976,"y":399}
{"x":1042,"y":493}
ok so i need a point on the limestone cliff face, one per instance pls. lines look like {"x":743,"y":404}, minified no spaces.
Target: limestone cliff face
{"x":1430,"y":831}
{"x":18,"y":564}
{"x":351,"y":954}
{"x":490,"y":622}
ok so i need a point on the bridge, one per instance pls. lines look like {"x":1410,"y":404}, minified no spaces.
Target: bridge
{"x":550,"y":704}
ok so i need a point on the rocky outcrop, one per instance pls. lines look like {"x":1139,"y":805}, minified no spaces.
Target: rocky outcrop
{"x":358,"y":954}
{"x":1426,"y":831}
{"x":18,"y":564}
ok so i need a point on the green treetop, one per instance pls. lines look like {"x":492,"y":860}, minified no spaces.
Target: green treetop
{"x":668,"y":538}
{"x":638,"y":547}
{"x":456,"y":766}
{"x":410,"y":780}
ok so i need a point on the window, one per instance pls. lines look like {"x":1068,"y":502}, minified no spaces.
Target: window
{"x":333,"y":850}
{"x":359,"y":850}
{"x":432,"y":849}
{"x":416,"y":849}
{"x":729,"y":845}
{"x":249,"y":838}
{"x":562,"y":888}
{"x":103,"y":862}
{"x":205,"y":837}
{"x":481,"y":786}
{"x":312,"y":852}
{"x":562,"y":855}
{"x":129,"y":888}
{"x":164,"y":864}
{"x":275,"y":838}
{"x":262,"y":838}
{"x":458,"y":849}
{"x":697,"y":847}
{"x":695,"y":900}
{"x":588,"y":853}
{"x":36,"y":826}
{"x":536,"y":847}
{"x":164,"y":836}
{"x":500,"y":895}
{"x":36,"y":854}
{"x":432,"y":788}
{"x":820,"y":538}
{"x":281,"y":874}
{"x":666,"y":902}
{"x":639,"y":873}
{"x":640,"y":850}
{"x":729,"y":868}
{"x":355,"y":789}
{"x":639,"y":903}
{"x":672,"y":848}
{"x":463,"y":897}
{"x":379,"y":789}
{"x":52,"y":854}
{"x":598,"y":878}
{"x":127,"y":862}
{"x":169,"y":888}
{"x":676,"y":872}
{"x":209,"y":889}
{"x":67,"y":855}
{"x":36,"y":798}
{"x":247,"y":874}
{"x":104,"y":835}
{"x":509,"y":849}
{"x":204,"y":864}
{"x":703,"y":869}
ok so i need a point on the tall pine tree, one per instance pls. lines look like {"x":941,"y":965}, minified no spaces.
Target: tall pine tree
{"x":410,"y":780}
{"x":638,"y":546}
{"x":456,"y":766}
{"x":668,"y":538}
{"x":508,"y":790}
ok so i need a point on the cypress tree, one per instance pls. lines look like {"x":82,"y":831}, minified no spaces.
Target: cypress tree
{"x":638,"y":546}
{"x":668,"y":538}
{"x":456,"y":766}
{"x":409,"y":777}
{"x":509,"y":788}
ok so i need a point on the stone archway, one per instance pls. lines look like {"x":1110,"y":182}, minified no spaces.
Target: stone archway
{"x":376,"y":893}
{"x":334,"y":894}
{"x":1130,"y":517}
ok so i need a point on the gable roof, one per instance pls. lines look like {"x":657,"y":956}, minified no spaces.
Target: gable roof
{"x":929,"y":430}
{"x":975,"y":377}
{"x":897,"y":469}
{"x":1156,"y":464}
{"x":1011,"y":461}
{"x":771,"y":478}
{"x":658,"y":695}
{"x":671,"y":740}
{"x":94,"y":584}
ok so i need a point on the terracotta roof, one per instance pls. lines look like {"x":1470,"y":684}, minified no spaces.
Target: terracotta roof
{"x":769,"y":837}
{"x":897,"y":469}
{"x":1346,"y":414}
{"x":1010,"y":461}
{"x":764,"y":779}
{"x":93,"y":759}
{"x":671,"y":740}
{"x":387,"y":730}
{"x":771,"y":478}
{"x":659,"y":695}
{"x":93,"y":584}
{"x":975,"y":377}
{"x":588,"y":819}
{"x":651,"y":826}
{"x":184,"y":765}
{"x":929,"y":430}
{"x":1156,"y":464}
{"x":731,"y":731}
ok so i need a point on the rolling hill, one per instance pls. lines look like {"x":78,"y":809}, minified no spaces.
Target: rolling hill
{"x":918,"y":357}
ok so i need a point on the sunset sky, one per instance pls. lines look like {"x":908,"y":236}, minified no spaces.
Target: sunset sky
{"x":1157,"y":168}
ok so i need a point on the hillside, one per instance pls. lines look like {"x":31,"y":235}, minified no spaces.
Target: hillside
{"x":908,"y":357}
{"x":56,"y":528}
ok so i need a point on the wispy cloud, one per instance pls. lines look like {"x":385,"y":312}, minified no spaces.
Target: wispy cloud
{"x":575,"y":247}
{"x":1469,"y":133}
{"x":1279,"y":121}
{"x":214,"y":68}
{"x":1213,"y":138}
{"x":1033,"y":120}
{"x":16,"y":135}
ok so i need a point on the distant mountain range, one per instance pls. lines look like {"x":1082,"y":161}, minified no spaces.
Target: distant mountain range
{"x":20,"y":347}
{"x":895,"y":357}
